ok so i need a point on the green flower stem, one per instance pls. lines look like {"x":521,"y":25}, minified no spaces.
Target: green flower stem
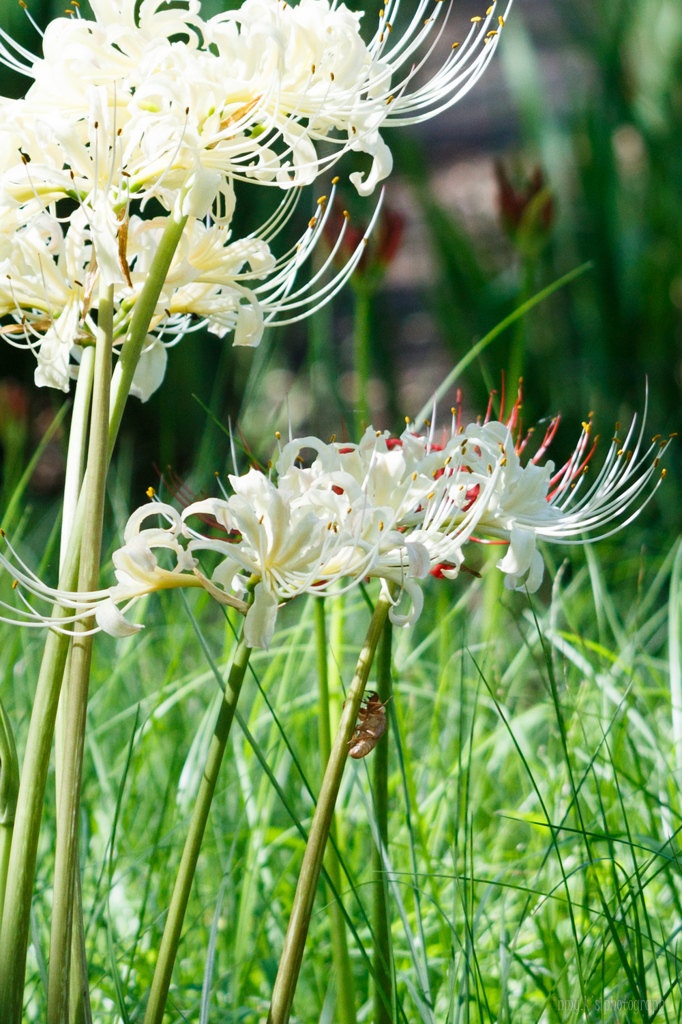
{"x":66,"y":855}
{"x":21,"y":873}
{"x":362,"y":321}
{"x":80,"y":1011}
{"x":9,"y":788}
{"x":78,"y":432}
{"x":143,"y":312}
{"x":294,"y":943}
{"x":190,"y":854}
{"x":383,"y":981}
{"x":75,"y":466}
{"x":345,"y":988}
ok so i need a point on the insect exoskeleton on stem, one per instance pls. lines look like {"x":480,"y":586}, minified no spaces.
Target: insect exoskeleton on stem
{"x":370,"y":726}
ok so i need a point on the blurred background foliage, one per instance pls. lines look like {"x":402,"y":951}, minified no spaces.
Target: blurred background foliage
{"x":568,"y":150}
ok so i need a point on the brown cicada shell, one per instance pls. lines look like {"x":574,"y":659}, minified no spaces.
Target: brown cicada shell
{"x":370,"y":726}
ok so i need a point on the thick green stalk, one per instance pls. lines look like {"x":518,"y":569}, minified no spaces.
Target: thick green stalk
{"x":9,"y":788}
{"x":345,"y":987}
{"x":383,"y":981}
{"x":21,"y":873}
{"x":66,"y":855}
{"x":78,"y":434}
{"x":362,"y":320}
{"x":190,"y":854}
{"x":294,"y":943}
{"x":79,"y":999}
{"x":80,"y":1011}
{"x":143,"y":312}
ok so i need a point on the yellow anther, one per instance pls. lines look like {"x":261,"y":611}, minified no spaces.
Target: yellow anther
{"x":663,"y":474}
{"x":389,"y":26}
{"x":656,"y":462}
{"x":389,"y":100}
{"x":332,"y":439}
{"x":429,"y":496}
{"x":378,"y":433}
{"x":260,"y":521}
{"x":331,"y":75}
{"x":619,"y":452}
{"x":381,"y":38}
{"x":476,"y":19}
{"x":15,"y":584}
{"x":673,"y":435}
{"x":490,"y":468}
{"x":489,"y":11}
{"x":407,"y":420}
{"x":414,"y":476}
{"x":655,"y":438}
{"x":150,"y":492}
{"x":501,"y":21}
{"x":586,"y":427}
{"x":322,"y":199}
{"x":453,"y":410}
{"x":269,"y":463}
{"x":381,"y":524}
{"x":448,"y":460}
{"x":493,"y":32}
{"x":346,"y":214}
{"x":504,"y":461}
{"x":427,"y":423}
{"x":312,"y":70}
{"x":335,"y":180}
{"x":312,"y":222}
{"x":329,"y":526}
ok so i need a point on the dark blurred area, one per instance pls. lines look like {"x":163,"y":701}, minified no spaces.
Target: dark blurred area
{"x":568,"y":150}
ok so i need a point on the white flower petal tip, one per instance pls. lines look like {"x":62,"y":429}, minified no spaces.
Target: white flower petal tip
{"x":150,"y":370}
{"x":111,"y":621}
{"x":419,"y":560}
{"x":261,"y":618}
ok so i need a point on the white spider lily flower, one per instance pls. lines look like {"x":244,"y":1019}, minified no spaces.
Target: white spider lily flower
{"x":137,"y":571}
{"x":48,"y":273}
{"x":379,"y":508}
{"x":285,"y":547}
{"x":535,"y":502}
{"x":44,"y":288}
{"x":248,"y":94}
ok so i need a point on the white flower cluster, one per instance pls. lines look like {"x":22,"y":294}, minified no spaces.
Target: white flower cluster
{"x":393,"y":508}
{"x":151,"y":102}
